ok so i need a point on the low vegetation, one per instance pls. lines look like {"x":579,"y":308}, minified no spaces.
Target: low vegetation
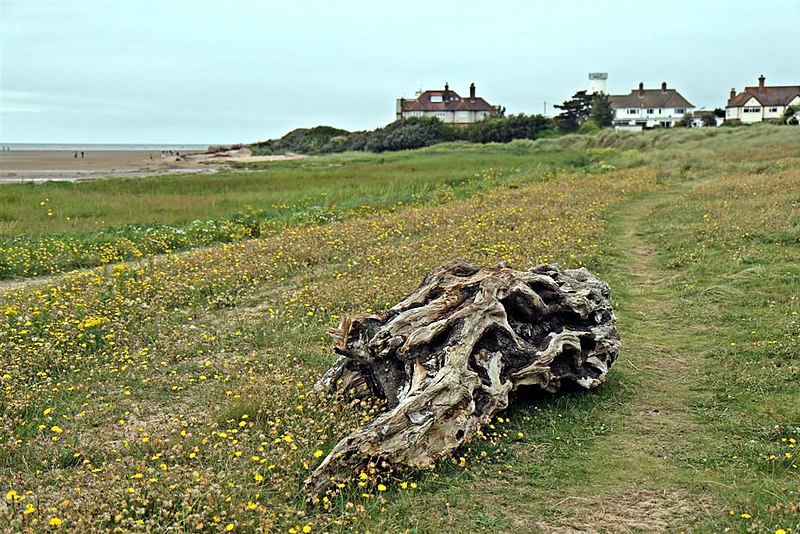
{"x":175,"y":392}
{"x":405,"y":134}
{"x":50,"y":228}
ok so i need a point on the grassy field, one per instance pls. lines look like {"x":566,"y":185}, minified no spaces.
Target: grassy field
{"x":54,"y":227}
{"x":174,"y":393}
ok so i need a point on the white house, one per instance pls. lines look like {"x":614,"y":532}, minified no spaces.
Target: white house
{"x":645,"y":108}
{"x":756,"y":104}
{"x":446,"y":106}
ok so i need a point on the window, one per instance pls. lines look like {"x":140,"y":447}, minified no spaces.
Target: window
{"x":773,"y":110}
{"x":436,"y":98}
{"x":462,"y":114}
{"x":650,"y":111}
{"x":632,"y":111}
{"x":441,"y":114}
{"x":680,"y":111}
{"x":416,"y":114}
{"x":752,"y":110}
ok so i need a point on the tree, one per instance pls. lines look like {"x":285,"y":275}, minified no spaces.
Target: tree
{"x":710,"y":120}
{"x":602,"y":113}
{"x":498,"y":112}
{"x":574,"y":112}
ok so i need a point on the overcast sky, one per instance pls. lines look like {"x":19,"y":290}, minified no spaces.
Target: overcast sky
{"x":209,"y":72}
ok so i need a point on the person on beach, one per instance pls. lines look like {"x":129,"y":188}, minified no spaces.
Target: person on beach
{"x":81,"y":153}
{"x":76,"y":155}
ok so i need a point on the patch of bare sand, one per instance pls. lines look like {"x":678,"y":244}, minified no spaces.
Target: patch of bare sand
{"x":238,"y":155}
{"x":631,"y":511}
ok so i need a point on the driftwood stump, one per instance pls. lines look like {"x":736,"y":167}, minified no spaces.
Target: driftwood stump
{"x":446,"y":357}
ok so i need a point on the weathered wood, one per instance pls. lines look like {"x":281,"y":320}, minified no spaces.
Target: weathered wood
{"x":447,"y":356}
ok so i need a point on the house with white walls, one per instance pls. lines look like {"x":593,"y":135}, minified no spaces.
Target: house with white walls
{"x":646,"y":108}
{"x":446,"y":105}
{"x":762,"y":102}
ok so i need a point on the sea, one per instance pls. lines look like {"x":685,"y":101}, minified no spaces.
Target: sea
{"x":101,"y":146}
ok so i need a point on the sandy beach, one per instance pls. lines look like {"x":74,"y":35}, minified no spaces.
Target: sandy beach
{"x":61,"y":165}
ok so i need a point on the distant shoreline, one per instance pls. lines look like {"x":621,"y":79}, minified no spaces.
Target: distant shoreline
{"x":105,"y":147}
{"x":74,"y":165}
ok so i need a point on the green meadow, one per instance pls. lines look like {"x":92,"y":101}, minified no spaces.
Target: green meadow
{"x":53,"y":227}
{"x":167,"y":385}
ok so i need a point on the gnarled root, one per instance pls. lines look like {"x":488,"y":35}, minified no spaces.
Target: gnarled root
{"x":446,"y":357}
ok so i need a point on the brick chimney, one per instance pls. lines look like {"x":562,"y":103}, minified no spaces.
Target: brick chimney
{"x":472,"y":90}
{"x":761,"y":83}
{"x":663,"y":87}
{"x":446,"y":86}
{"x":641,"y":89}
{"x":733,"y":93}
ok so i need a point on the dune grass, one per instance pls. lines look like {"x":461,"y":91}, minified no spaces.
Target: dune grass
{"x":175,"y":392}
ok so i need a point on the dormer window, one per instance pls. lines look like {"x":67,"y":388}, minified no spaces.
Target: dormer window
{"x":436,"y":99}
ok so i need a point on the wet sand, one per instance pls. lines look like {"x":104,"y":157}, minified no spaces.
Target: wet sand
{"x":61,"y":165}
{"x":41,"y":165}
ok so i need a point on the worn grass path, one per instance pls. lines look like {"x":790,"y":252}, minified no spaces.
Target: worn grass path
{"x":641,"y":482}
{"x":632,"y":477}
{"x":690,"y":414}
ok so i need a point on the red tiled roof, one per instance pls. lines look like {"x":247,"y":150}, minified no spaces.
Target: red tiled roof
{"x":451,"y":101}
{"x":777,"y":95}
{"x":650,"y":98}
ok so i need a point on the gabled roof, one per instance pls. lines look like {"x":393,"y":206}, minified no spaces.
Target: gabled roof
{"x":777,"y":95}
{"x":451,"y":101}
{"x":650,"y":98}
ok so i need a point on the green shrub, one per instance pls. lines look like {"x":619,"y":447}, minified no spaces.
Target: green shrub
{"x":589,"y":127}
{"x":415,"y":132}
{"x":504,"y":130}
